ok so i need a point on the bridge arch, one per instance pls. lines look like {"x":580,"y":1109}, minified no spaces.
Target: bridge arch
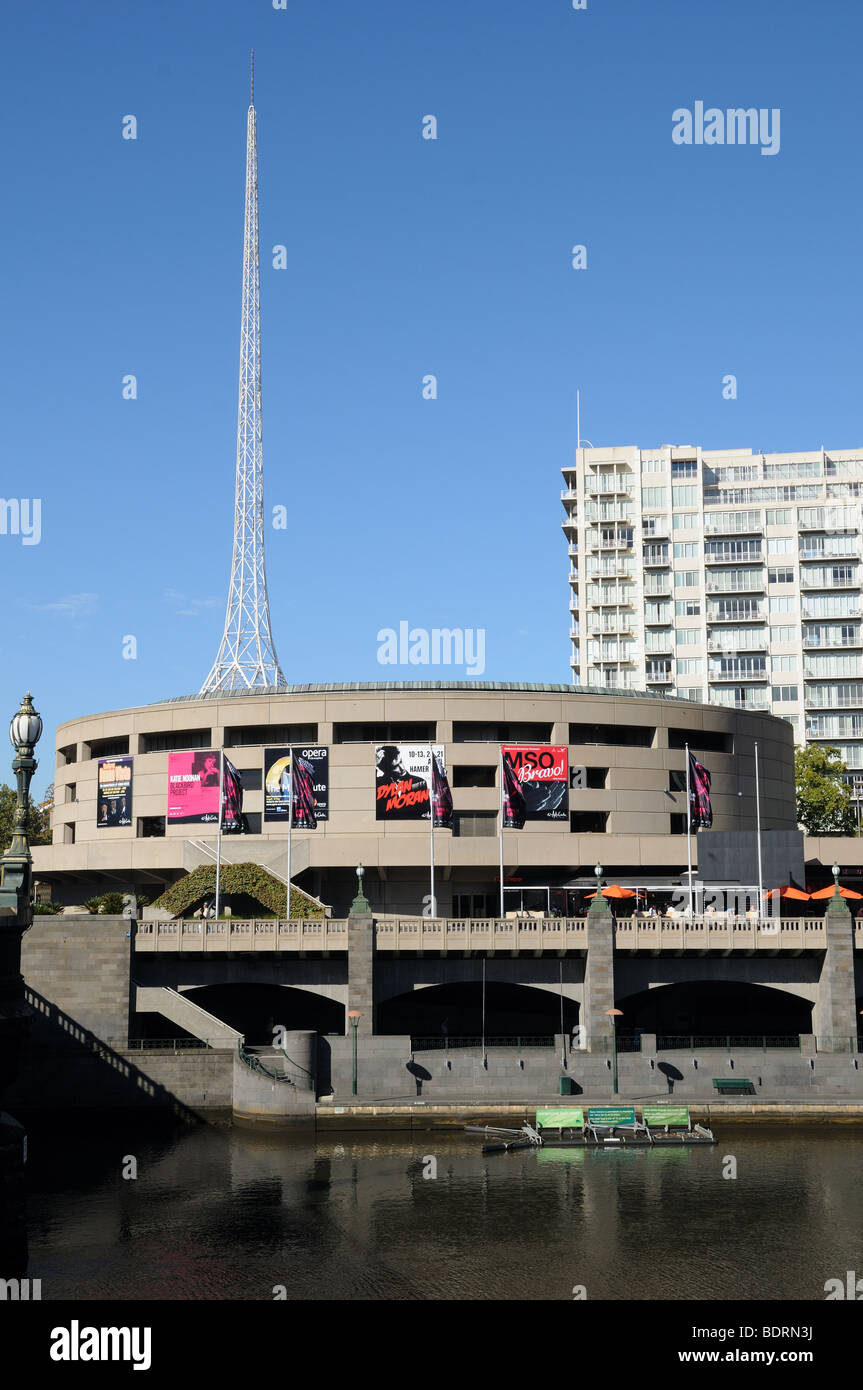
{"x":718,"y":1007}
{"x":455,"y":1009}
{"x":255,"y":1009}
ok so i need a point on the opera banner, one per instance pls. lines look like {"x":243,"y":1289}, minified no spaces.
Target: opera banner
{"x":403,"y":779}
{"x":310,"y":777}
{"x":543,"y":780}
{"x":114,"y":792}
{"x":193,"y":788}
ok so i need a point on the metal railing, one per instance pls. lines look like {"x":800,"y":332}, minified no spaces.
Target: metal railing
{"x":445,"y":1042}
{"x":168,"y":1044}
{"x":671,"y":1042}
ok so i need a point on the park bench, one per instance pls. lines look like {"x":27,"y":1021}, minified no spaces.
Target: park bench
{"x":733,"y":1086}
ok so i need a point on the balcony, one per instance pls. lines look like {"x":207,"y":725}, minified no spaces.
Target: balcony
{"x":744,"y":674}
{"x":744,"y":615}
{"x":812,"y":642}
{"x":572,"y":552}
{"x":740,"y":584}
{"x":659,"y":675}
{"x":658,"y":589}
{"x":570,"y":523}
{"x":621,"y":541}
{"x":569,"y":494}
{"x":729,"y":557}
{"x":611,"y":598}
{"x":714,"y":526}
{"x":746,"y":642}
{"x":664,"y":648}
{"x":597,"y":484}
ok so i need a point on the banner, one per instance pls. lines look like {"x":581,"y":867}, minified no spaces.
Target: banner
{"x":700,"y":810}
{"x":543,"y":781}
{"x":441,"y":796}
{"x":233,"y":820}
{"x":658,"y":1115}
{"x":611,"y":1115}
{"x":564,"y":1117}
{"x":193,"y":788}
{"x":114,"y":792}
{"x":314,"y":768}
{"x":403,"y":778}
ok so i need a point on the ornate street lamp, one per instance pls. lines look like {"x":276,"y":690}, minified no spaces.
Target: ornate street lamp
{"x":354,"y":1016}
{"x":25,"y":730}
{"x":600,"y":905}
{"x":16,"y":916}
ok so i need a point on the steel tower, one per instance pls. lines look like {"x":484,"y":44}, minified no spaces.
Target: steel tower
{"x":247,"y":657}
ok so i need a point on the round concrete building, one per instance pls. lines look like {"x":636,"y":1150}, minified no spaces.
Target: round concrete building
{"x":624,"y":804}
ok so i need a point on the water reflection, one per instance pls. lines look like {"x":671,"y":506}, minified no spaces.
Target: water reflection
{"x":225,"y":1214}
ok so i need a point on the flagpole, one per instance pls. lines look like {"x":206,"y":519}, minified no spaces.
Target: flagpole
{"x":500,"y":828}
{"x":219,"y":831}
{"x":290,"y":826}
{"x":431,"y":825}
{"x":688,"y":830}
{"x":758,"y":834}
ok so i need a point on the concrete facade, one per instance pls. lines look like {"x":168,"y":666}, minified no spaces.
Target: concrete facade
{"x":627,"y":815}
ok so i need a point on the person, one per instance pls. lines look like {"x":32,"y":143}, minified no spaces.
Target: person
{"x":652,"y":912}
{"x":710,"y":910}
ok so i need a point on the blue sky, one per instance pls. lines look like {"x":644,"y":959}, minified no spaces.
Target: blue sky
{"x":405,"y":257}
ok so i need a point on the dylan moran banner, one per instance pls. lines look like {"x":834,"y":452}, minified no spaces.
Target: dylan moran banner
{"x":542,"y":773}
{"x":193,"y":788}
{"x":314,"y":765}
{"x":114,"y":804}
{"x":403,"y":778}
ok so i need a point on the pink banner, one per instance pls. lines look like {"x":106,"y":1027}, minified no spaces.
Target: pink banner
{"x":193,"y":788}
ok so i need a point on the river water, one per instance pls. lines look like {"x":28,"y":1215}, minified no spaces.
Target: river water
{"x":228,"y":1214}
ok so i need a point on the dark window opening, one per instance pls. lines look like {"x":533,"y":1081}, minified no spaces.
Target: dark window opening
{"x":474,"y":776}
{"x":475,"y":824}
{"x":419,"y":731}
{"x":175,"y":739}
{"x":620,"y":735}
{"x":107,"y":747}
{"x":151,"y":827}
{"x":597,"y":777}
{"x":471,"y":731}
{"x":678,"y":823}
{"x":588,"y":822}
{"x":700,"y":740}
{"x":271,"y":735}
{"x":67,"y":755}
{"x":252,"y":778}
{"x":69,"y":833}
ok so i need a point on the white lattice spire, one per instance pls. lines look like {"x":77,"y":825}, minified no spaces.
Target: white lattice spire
{"x":247,"y":657}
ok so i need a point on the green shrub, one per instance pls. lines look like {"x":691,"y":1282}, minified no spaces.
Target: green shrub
{"x":251,"y":879}
{"x":46,"y":909}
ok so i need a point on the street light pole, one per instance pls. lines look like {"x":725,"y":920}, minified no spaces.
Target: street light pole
{"x":354,"y":1016}
{"x":612,"y":1014}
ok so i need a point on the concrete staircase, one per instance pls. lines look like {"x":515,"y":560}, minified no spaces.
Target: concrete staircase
{"x":159,"y":999}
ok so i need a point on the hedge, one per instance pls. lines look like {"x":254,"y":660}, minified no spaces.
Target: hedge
{"x":237,"y":878}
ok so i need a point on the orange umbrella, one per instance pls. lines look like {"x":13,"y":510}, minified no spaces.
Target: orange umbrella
{"x":831,"y":892}
{"x":614,"y":890}
{"x":788,"y":892}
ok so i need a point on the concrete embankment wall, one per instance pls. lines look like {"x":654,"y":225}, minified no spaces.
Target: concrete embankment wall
{"x":383,"y":1071}
{"x":281,"y":1093}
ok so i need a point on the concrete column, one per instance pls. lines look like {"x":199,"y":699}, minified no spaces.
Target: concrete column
{"x":834,"y":1018}
{"x":598,"y":977}
{"x":361,"y":929}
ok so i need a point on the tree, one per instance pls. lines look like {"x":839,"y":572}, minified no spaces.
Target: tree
{"x":39,"y":829}
{"x":823,"y":798}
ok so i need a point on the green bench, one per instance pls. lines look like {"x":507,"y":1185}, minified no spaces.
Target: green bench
{"x":733,"y":1086}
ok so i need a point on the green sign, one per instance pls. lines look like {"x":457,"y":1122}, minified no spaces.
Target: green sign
{"x":611,"y":1115}
{"x":561,"y":1118}
{"x":665,"y":1115}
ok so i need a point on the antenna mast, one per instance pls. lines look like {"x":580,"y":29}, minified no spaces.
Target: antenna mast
{"x":247,"y":657}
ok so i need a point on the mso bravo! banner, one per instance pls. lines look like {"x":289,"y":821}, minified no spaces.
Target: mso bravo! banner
{"x":543,"y":777}
{"x":114,"y":800}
